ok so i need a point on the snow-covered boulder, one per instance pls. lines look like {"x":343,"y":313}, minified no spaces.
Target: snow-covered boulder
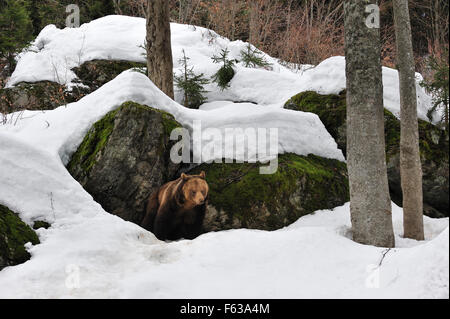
{"x":434,"y":147}
{"x":42,"y":95}
{"x":14,"y":234}
{"x":48,"y":95}
{"x":124,"y":157}
{"x":93,"y":74}
{"x":121,"y":162}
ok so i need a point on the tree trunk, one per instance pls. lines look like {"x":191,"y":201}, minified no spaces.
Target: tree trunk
{"x":370,"y":204}
{"x":159,"y":50}
{"x":410,"y":166}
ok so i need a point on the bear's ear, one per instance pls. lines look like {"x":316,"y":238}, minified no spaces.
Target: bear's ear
{"x":184,"y":176}
{"x":202,"y":174}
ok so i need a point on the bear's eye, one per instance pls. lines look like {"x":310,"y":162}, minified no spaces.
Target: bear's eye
{"x":193,"y":192}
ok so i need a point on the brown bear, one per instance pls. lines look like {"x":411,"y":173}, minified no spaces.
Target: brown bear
{"x":177,"y":209}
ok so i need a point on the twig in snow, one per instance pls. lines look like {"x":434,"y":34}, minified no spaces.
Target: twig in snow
{"x":383,"y":256}
{"x":52,"y":206}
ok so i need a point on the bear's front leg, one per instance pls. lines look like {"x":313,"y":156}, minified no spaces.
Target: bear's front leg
{"x":193,"y":230}
{"x":164,"y":222}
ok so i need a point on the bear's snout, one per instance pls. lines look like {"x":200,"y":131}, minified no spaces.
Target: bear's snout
{"x":199,"y":200}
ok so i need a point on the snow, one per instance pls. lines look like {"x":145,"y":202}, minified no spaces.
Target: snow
{"x":56,"y":51}
{"x":60,"y":131}
{"x":88,"y":253}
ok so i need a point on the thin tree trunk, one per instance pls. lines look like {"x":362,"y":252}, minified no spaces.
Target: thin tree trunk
{"x":410,"y":166}
{"x":252,"y":23}
{"x":159,"y":50}
{"x":370,"y":204}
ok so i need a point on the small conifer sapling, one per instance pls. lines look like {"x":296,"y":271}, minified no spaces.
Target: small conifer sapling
{"x":224,"y":75}
{"x":191,"y":84}
{"x":253,"y":58}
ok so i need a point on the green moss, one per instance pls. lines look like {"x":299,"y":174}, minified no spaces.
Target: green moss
{"x":41,"y":224}
{"x":391,"y":134}
{"x":433,"y":143}
{"x":14,"y":234}
{"x":169,"y":123}
{"x":93,"y":143}
{"x":330,"y":108}
{"x":239,"y":188}
{"x":97,"y":137}
{"x":432,"y":140}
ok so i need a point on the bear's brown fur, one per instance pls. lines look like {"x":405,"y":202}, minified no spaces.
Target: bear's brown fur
{"x":177,"y":209}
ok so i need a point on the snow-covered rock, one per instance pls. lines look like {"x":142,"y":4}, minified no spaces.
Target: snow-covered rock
{"x":60,"y":131}
{"x":14,"y":234}
{"x":125,"y":157}
{"x":434,"y":148}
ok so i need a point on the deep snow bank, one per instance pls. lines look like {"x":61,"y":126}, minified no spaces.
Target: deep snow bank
{"x":88,"y":253}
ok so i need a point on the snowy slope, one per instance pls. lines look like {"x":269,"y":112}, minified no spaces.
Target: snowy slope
{"x":111,"y":258}
{"x":55,"y":52}
{"x":90,"y":253}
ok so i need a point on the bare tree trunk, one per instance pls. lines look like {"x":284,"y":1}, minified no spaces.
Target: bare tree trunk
{"x":159,"y":50}
{"x":252,"y":22}
{"x":370,"y":204}
{"x":410,"y":166}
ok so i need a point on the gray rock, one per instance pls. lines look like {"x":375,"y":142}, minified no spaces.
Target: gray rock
{"x":240,"y":197}
{"x":14,"y":234}
{"x":124,"y":158}
{"x":46,"y":95}
{"x":43,"y":95}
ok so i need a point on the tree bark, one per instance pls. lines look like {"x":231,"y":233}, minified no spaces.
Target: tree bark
{"x":370,"y":204}
{"x":159,"y":50}
{"x":410,"y":166}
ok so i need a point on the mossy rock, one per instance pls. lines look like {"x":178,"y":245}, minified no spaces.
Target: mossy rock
{"x":124,"y":157}
{"x":14,"y":234}
{"x":241,"y":197}
{"x":43,"y":95}
{"x":41,"y":224}
{"x":434,"y":147}
{"x":46,"y":95}
{"x":96,"y":73}
{"x":332,"y":110}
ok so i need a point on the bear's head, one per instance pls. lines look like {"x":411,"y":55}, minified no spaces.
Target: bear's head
{"x":194,"y":190}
